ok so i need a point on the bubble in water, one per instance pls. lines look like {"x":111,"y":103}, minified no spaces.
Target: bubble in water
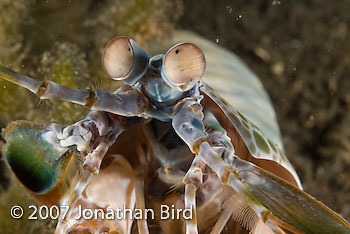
{"x":276,"y":2}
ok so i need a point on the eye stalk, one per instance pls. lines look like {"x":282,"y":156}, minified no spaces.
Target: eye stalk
{"x":183,"y":66}
{"x":125,"y":60}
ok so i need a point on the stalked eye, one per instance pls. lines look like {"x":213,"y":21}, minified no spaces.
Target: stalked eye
{"x":118,"y":58}
{"x":124,"y":60}
{"x":183,"y":66}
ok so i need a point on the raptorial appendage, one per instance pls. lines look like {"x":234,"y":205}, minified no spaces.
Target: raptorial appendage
{"x":258,"y":196}
{"x":189,"y":125}
{"x":192,"y":180}
{"x":119,"y":190}
{"x":65,"y":158}
{"x":198,"y":129}
{"x":106,"y":129}
{"x":46,"y":169}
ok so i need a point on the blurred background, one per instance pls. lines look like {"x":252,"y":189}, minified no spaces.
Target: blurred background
{"x":299,"y":49}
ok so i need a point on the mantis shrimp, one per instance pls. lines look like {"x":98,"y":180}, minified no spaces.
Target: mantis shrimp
{"x":163,"y":137}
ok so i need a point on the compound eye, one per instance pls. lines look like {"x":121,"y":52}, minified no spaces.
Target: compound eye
{"x":183,"y":65}
{"x":118,"y":58}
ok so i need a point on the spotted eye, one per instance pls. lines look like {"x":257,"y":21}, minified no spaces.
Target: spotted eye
{"x":124,"y":60}
{"x":183,"y":66}
{"x":118,"y":58}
